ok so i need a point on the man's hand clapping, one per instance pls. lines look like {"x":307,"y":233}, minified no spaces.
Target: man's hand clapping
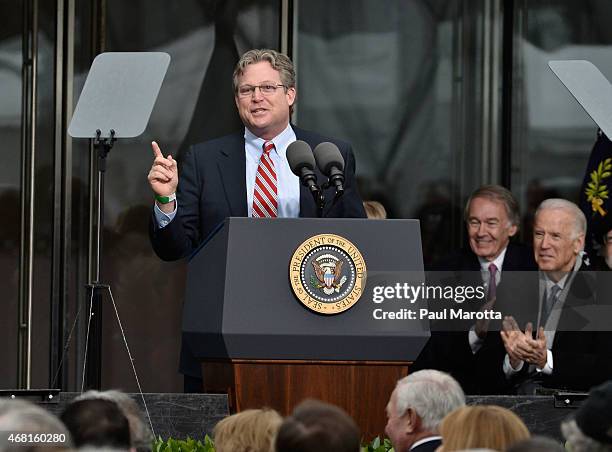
{"x":521,"y":346}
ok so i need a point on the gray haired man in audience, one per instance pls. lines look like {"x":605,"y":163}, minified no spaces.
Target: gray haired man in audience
{"x":417,"y":405}
{"x":19,"y":416}
{"x":590,"y":429}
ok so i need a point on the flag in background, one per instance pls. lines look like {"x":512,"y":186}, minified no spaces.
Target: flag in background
{"x":595,"y":193}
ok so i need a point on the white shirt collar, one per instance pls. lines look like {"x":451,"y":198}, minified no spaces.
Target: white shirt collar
{"x":425,"y":440}
{"x":498,"y":261}
{"x":281,"y":141}
{"x":563,"y":281}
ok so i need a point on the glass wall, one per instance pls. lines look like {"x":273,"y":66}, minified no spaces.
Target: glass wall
{"x":204,"y":40}
{"x":548,"y":124}
{"x":414,"y":85}
{"x":403,"y":83}
{"x":10,"y":132}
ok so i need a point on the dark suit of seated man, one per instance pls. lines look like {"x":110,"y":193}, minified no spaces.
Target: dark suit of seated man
{"x":245,"y":174}
{"x":492,"y":218}
{"x":559,"y":355}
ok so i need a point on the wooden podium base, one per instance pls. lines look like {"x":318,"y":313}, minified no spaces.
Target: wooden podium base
{"x":361,"y":388}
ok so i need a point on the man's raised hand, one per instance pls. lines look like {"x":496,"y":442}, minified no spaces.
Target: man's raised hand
{"x":163,"y":176}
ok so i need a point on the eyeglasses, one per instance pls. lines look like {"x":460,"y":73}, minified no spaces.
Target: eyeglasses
{"x":265,"y":89}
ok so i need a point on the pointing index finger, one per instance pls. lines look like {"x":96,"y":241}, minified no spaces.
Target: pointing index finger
{"x":156,"y":150}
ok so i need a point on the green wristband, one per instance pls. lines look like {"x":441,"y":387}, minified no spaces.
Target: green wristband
{"x":165,"y":199}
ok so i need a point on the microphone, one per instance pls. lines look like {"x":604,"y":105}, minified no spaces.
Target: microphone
{"x":302,"y":164}
{"x":330,"y":162}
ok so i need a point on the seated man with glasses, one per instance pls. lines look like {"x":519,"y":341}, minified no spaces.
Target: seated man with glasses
{"x":245,"y":174}
{"x":492,"y":219}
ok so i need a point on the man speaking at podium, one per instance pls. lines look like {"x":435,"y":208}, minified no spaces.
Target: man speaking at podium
{"x":245,"y":174}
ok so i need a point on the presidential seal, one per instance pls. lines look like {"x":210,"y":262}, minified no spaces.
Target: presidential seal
{"x":327,"y":274}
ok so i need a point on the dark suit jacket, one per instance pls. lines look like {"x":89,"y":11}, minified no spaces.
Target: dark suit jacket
{"x":429,"y":446}
{"x":518,"y":258}
{"x":450,"y":351}
{"x":212,"y":187}
{"x":581,"y":359}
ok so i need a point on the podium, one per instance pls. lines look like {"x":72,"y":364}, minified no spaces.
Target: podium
{"x":264,"y":347}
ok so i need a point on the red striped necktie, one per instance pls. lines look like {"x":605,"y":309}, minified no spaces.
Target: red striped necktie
{"x":265,"y":195}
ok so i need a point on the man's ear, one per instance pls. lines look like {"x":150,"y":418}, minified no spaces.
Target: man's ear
{"x":411,"y":420}
{"x":291,"y":95}
{"x":579,"y":244}
{"x":512,"y":230}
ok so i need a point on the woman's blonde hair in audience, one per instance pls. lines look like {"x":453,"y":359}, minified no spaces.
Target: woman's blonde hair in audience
{"x":375,"y":210}
{"x":247,"y":431}
{"x":481,"y":426}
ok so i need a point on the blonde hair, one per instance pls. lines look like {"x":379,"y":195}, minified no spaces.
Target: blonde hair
{"x":482,"y":426}
{"x":375,"y":210}
{"x":247,"y":431}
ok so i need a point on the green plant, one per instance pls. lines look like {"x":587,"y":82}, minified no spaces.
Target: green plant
{"x":378,"y":446}
{"x":187,"y":445}
{"x":191,"y":445}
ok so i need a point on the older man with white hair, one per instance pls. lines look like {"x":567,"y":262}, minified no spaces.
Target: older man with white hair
{"x":20,"y":420}
{"x":559,"y":356}
{"x":417,"y":405}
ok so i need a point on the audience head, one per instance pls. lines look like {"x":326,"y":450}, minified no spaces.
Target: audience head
{"x":140,"y":434}
{"x":481,"y":426}
{"x":558,"y":235}
{"x":97,"y":423}
{"x":607,"y":248}
{"x":247,"y":431}
{"x":375,"y":210}
{"x":314,"y":426}
{"x":20,"y":416}
{"x":418,"y":404}
{"x":492,"y":217}
{"x":590,"y":429}
{"x":537,"y":444}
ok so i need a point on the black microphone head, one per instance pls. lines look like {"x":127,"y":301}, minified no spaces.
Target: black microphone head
{"x":299,"y":155}
{"x":328,"y":156}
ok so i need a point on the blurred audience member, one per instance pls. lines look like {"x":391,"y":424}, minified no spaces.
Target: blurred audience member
{"x":537,"y":444}
{"x":141,"y":435}
{"x":20,"y":416}
{"x":375,"y":210}
{"x":536,"y":193}
{"x":417,"y":405}
{"x":97,"y":423}
{"x":247,"y":431}
{"x":603,"y":260}
{"x":316,"y":426}
{"x":481,"y":426}
{"x":590,"y":429}
{"x":440,"y":219}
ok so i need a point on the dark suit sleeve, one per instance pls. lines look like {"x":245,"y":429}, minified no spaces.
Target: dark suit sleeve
{"x":581,"y":359}
{"x":353,"y":204}
{"x":181,"y":236}
{"x":350,"y":205}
